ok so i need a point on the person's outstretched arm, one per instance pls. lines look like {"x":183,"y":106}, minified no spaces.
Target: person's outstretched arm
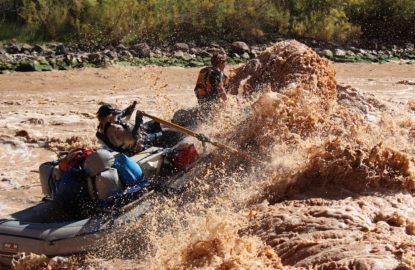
{"x":127,"y":112}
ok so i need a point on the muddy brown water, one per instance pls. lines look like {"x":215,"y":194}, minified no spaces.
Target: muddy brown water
{"x":42,"y":112}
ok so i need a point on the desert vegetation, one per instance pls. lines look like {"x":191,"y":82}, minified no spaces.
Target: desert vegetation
{"x":153,"y":21}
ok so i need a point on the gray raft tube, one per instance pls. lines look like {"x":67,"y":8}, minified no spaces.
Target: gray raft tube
{"x":46,"y":229}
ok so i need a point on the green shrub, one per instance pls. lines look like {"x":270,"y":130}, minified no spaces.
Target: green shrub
{"x":386,"y":19}
{"x":161,"y":21}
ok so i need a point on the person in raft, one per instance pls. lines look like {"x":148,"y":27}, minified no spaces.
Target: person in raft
{"x":211,"y":82}
{"x":116,"y":132}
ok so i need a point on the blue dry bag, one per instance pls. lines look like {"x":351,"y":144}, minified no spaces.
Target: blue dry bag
{"x":129,"y":172}
{"x":72,"y":190}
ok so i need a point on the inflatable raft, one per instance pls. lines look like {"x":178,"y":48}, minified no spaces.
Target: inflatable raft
{"x":47,"y":229}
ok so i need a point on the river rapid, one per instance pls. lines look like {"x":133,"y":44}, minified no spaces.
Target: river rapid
{"x":335,"y":191}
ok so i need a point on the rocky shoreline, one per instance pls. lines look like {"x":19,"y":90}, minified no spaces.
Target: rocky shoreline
{"x":58,"y":56}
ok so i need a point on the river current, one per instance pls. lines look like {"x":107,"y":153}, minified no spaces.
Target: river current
{"x":335,"y":189}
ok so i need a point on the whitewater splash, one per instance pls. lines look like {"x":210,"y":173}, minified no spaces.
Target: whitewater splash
{"x":337,"y":193}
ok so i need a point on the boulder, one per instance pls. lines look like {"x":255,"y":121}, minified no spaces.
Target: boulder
{"x":214,"y":50}
{"x":111,"y":54}
{"x":121,"y":47}
{"x":61,"y":50}
{"x":362,"y":51}
{"x":83,"y":58}
{"x":204,"y":53}
{"x":157,"y":53}
{"x":409,"y":46}
{"x":256,"y":49}
{"x":42,"y":60}
{"x":195,"y":50}
{"x":178,"y":54}
{"x":141,"y":50}
{"x":74,"y":62}
{"x":245,"y":55}
{"x":38,"y":48}
{"x":350,"y":53}
{"x":327,"y":53}
{"x":48,"y":52}
{"x":29,"y":66}
{"x":13,"y":49}
{"x":181,"y":47}
{"x":339,"y":53}
{"x":239,"y":47}
{"x":215,"y":45}
{"x":26,"y":49}
{"x":79,"y":58}
{"x":95,"y":58}
{"x":125,"y":54}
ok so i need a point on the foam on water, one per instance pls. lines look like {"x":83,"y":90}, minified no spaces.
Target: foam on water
{"x":336,"y":193}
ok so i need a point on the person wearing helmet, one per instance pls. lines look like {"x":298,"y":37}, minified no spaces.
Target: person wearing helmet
{"x":211,"y":82}
{"x":118,"y":134}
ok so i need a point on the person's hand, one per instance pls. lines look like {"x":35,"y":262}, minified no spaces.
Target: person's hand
{"x":131,"y":108}
{"x":139,"y":114}
{"x":133,"y":105}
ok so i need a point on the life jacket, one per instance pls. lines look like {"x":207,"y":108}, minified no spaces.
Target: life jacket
{"x":204,"y":89}
{"x":103,"y":136}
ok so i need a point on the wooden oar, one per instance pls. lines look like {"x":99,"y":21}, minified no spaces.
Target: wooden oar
{"x":202,"y":137}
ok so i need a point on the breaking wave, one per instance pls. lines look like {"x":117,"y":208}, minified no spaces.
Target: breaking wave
{"x":336,"y":191}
